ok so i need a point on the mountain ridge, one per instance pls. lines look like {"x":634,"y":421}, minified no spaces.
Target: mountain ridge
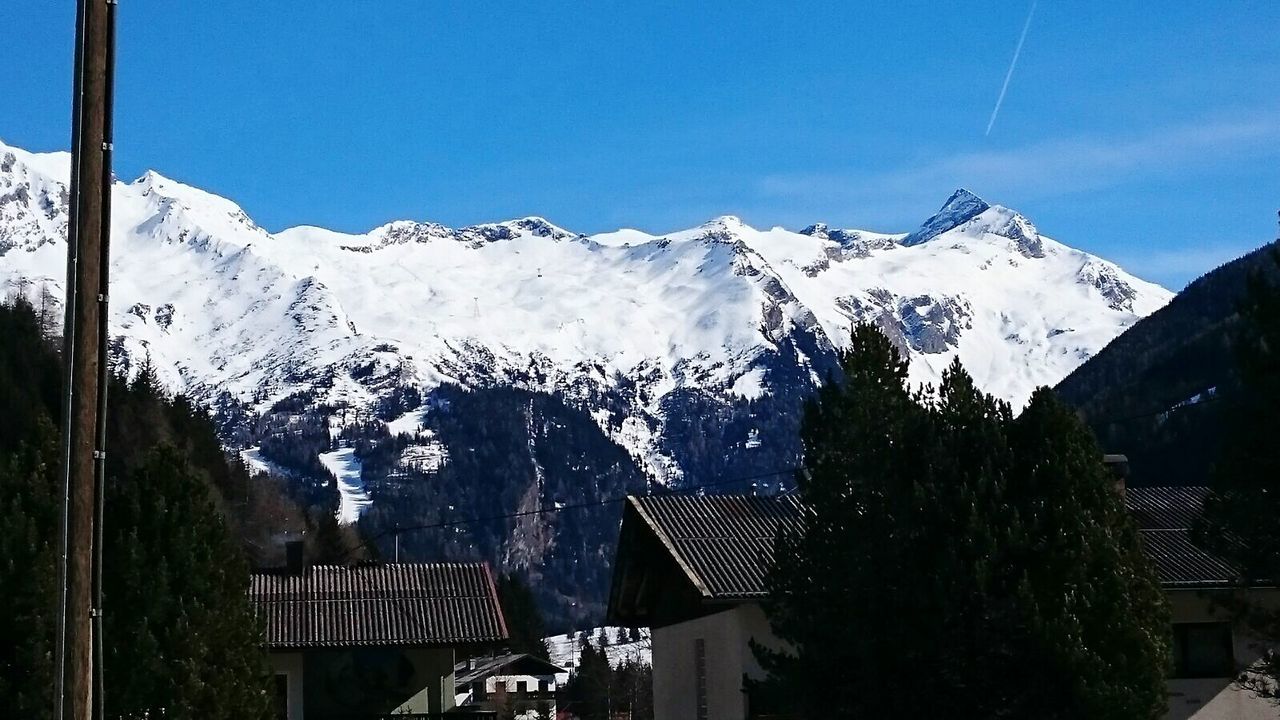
{"x":415,"y":374}
{"x":231,"y":313}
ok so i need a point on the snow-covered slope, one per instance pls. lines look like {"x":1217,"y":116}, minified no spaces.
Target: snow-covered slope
{"x":228,"y":312}
{"x":621,"y":645}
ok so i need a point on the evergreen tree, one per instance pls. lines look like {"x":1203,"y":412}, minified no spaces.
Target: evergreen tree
{"x":632,"y":691}
{"x":28,"y":575}
{"x":957,"y":562}
{"x":1242,"y":515}
{"x":856,"y":534}
{"x":1097,"y":619}
{"x":176,"y":588}
{"x":178,"y":628}
{"x":588,"y":692}
{"x":524,"y":619}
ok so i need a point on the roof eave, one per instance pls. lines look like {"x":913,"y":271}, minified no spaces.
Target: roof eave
{"x":684,"y":565}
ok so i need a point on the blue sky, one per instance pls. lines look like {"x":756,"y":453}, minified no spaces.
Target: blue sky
{"x":1146,"y":132}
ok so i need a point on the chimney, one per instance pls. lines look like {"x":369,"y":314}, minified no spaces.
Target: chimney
{"x":294,"y":563}
{"x":1119,"y":467}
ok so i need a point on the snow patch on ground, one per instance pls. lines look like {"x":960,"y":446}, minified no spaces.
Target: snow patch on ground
{"x":253,"y":458}
{"x":565,"y":649}
{"x":750,"y":384}
{"x":408,"y":423}
{"x":428,"y":456}
{"x":345,"y":466}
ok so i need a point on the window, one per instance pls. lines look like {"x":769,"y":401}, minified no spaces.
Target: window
{"x":282,"y":696}
{"x":522,"y":687}
{"x":478,"y":691}
{"x":1203,"y":650}
{"x":499,"y":687}
{"x":544,"y":686}
{"x":700,"y":677}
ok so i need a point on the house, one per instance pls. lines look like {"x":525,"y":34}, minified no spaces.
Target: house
{"x":369,"y":641}
{"x":511,"y":684}
{"x":1209,"y":651}
{"x":692,"y":568}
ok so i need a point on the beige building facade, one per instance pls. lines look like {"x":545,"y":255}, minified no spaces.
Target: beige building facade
{"x":703,"y":662}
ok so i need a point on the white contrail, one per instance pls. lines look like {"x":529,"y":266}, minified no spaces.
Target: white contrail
{"x":1012,"y":64}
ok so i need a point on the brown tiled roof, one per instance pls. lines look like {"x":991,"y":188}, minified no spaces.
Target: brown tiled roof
{"x":724,"y":543}
{"x":1165,"y":516}
{"x":406,"y":605}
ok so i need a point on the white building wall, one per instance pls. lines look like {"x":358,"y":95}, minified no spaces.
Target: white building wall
{"x":728,"y":656}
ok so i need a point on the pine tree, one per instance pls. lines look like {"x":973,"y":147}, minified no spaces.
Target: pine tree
{"x":176,"y":587}
{"x":28,"y":552}
{"x":632,"y":691}
{"x":930,"y":578}
{"x":178,"y":629}
{"x":1242,"y":515}
{"x":588,"y":692}
{"x":855,"y":534}
{"x":1096,"y":617}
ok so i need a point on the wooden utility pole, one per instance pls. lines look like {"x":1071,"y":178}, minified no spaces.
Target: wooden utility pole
{"x":85,"y":359}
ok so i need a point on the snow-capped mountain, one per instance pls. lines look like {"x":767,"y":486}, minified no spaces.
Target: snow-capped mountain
{"x":417,"y":373}
{"x":232,"y":314}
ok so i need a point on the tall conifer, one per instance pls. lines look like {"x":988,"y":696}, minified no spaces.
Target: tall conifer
{"x":956,"y":562}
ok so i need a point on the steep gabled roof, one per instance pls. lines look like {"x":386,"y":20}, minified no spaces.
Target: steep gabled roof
{"x":723,"y":543}
{"x":401,"y":605}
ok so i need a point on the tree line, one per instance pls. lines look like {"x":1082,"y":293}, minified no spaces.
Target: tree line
{"x":182,"y":526}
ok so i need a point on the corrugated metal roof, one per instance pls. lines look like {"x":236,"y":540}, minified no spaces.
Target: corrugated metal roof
{"x":1181,"y":563}
{"x":1165,"y":516}
{"x":1165,"y":508}
{"x":379,"y":605}
{"x":723,"y":542}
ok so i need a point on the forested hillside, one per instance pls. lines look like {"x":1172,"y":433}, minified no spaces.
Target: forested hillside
{"x":180,"y":526}
{"x":142,"y":417}
{"x":1158,"y":391}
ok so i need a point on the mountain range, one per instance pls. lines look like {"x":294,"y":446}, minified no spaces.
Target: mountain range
{"x":418,"y":370}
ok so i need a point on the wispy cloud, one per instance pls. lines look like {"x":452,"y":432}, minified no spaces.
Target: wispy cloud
{"x":1047,"y":169}
{"x":1012,"y":64}
{"x":1174,"y":267}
